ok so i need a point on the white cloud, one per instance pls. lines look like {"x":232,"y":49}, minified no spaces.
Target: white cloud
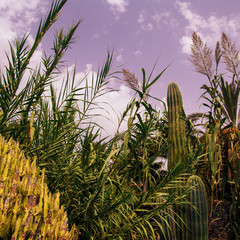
{"x":16,"y":18}
{"x":186,"y":42}
{"x":156,"y":21}
{"x":145,"y":26}
{"x":165,"y":18}
{"x":148,"y":27}
{"x":18,"y":6}
{"x":119,"y":58}
{"x":138,"y":53}
{"x":157,"y":17}
{"x":119,"y":55}
{"x":118,"y":5}
{"x":116,"y":104}
{"x":210,"y":28}
{"x":141,"y":18}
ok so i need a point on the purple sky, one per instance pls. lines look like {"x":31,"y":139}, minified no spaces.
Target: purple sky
{"x":139,"y":31}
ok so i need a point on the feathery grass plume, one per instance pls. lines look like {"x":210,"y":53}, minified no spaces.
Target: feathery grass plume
{"x":201,"y":56}
{"x":230,"y":55}
{"x":130,"y":79}
{"x":218,"y":55}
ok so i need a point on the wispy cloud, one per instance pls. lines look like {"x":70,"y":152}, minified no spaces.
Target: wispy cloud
{"x":210,"y":28}
{"x":119,"y":55}
{"x":18,"y":6}
{"x":119,"y":58}
{"x":118,"y":5}
{"x":165,"y":18}
{"x":157,"y":17}
{"x":145,"y":25}
{"x":149,"y":22}
{"x":141,"y":18}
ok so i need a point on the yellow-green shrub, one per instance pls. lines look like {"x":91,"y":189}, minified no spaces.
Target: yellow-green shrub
{"x":27,"y":209}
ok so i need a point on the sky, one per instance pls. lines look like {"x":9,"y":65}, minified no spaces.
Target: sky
{"x":140,"y":32}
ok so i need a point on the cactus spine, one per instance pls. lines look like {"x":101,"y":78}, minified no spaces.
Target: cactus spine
{"x":176,"y":133}
{"x":27,"y":209}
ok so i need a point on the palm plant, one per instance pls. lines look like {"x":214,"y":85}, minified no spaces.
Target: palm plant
{"x":18,"y":104}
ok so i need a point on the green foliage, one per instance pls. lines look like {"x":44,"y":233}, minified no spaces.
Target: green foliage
{"x":113,"y":188}
{"x":17,"y":103}
{"x":109,"y":187}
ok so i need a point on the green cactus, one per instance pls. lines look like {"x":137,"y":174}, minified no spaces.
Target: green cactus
{"x":168,"y":222}
{"x":191,"y":219}
{"x":27,"y":209}
{"x":193,"y":214}
{"x":197,"y":211}
{"x":176,"y":133}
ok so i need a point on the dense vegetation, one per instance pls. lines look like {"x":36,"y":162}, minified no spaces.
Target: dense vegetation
{"x":114,"y":188}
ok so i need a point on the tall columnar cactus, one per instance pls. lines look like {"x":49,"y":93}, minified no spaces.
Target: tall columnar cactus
{"x":176,"y":133}
{"x":27,"y":209}
{"x":197,"y":211}
{"x":168,"y":231}
{"x":194,"y":214}
{"x":191,"y":219}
